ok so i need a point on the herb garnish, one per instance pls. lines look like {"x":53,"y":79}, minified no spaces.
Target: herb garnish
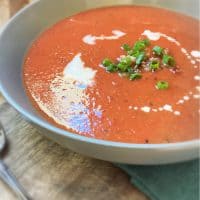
{"x":168,"y":61}
{"x":140,"y":57}
{"x":135,"y":76}
{"x":106,"y":62}
{"x":154,"y":64}
{"x":158,"y":50}
{"x":162,"y":85}
{"x":126,"y":47}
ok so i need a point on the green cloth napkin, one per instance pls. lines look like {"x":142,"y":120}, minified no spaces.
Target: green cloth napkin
{"x":166,"y":182}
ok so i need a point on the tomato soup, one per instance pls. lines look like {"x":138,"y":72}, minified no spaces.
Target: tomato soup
{"x":68,"y":85}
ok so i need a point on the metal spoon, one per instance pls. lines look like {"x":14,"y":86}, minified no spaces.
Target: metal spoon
{"x":6,"y":175}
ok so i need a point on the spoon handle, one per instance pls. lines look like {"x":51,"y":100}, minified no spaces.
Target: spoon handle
{"x":11,"y":181}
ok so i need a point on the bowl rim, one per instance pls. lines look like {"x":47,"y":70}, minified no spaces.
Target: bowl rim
{"x":44,"y":124}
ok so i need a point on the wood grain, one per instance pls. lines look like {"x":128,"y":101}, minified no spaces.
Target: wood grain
{"x":15,"y":5}
{"x":4,"y":11}
{"x":48,"y":171}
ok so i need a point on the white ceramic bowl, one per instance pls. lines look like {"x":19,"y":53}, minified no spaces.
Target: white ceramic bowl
{"x":16,"y":37}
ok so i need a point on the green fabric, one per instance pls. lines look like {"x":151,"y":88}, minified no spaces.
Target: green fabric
{"x":166,"y":182}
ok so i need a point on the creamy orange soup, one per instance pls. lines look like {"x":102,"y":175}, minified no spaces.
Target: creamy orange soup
{"x":69,"y":87}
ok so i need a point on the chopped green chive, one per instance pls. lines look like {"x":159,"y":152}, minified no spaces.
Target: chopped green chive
{"x":106,"y":62}
{"x":135,"y":76}
{"x":140,"y":45}
{"x":130,"y":52}
{"x":130,"y":70}
{"x":146,"y":42}
{"x":126,"y":61}
{"x":154,"y":65}
{"x":133,"y":53}
{"x":162,"y":85}
{"x":126,"y":47}
{"x":168,"y":60}
{"x":111,"y":68}
{"x":122,"y":67}
{"x":140,"y":58}
{"x":158,"y":50}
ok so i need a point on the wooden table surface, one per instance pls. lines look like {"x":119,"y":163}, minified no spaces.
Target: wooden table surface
{"x":48,"y":171}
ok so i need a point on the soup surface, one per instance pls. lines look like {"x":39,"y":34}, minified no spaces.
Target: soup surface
{"x":68,"y":86}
